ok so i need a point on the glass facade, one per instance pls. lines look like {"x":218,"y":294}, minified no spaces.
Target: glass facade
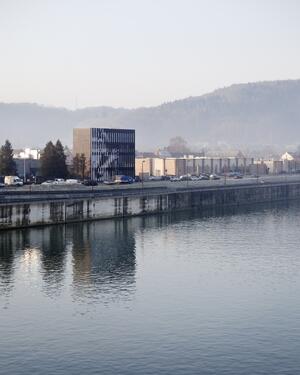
{"x":112,"y":153}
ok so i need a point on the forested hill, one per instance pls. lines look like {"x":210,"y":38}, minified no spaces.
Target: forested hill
{"x":254,"y":113}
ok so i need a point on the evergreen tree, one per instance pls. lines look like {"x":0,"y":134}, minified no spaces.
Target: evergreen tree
{"x":53,"y":161}
{"x":7,"y":163}
{"x":48,"y":161}
{"x":61,"y":166}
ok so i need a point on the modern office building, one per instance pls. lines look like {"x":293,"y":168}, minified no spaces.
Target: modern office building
{"x":108,"y":152}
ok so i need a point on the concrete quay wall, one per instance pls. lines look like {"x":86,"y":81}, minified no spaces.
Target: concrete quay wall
{"x":46,"y":212}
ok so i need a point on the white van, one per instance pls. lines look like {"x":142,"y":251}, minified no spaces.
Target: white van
{"x":13,"y":181}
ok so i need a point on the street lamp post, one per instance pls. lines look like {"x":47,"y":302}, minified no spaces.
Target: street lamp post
{"x":24,"y":171}
{"x":143,"y":161}
{"x":187,"y":172}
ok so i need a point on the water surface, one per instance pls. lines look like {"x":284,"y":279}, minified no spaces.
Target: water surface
{"x":216,"y":293}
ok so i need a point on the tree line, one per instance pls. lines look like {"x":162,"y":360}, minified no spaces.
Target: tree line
{"x":52,"y":162}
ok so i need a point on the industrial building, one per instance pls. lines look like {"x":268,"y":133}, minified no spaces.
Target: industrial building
{"x":191,"y":165}
{"x":108,"y":152}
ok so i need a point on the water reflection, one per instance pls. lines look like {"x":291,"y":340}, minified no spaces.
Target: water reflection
{"x":212,"y":292}
{"x":91,"y":258}
{"x":7,"y":243}
{"x":96,"y":259}
{"x":103,"y":256}
{"x":53,"y":258}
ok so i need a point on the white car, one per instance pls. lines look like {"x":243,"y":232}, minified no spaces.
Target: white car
{"x":185,"y":177}
{"x":72,"y":181}
{"x":59,"y":181}
{"x":214,"y":177}
{"x":48,"y":182}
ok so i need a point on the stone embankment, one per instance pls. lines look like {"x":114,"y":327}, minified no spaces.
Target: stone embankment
{"x":26,"y":210}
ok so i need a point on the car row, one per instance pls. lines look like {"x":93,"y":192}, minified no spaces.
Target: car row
{"x":202,"y":177}
{"x":119,"y":179}
{"x":61,"y":181}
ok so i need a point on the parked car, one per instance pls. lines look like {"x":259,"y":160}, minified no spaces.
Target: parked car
{"x":174,"y":179}
{"x":59,"y":181}
{"x":203,"y":177}
{"x":214,"y":177}
{"x":89,"y":183}
{"x":185,"y":177}
{"x":122,"y":179}
{"x":48,"y":182}
{"x":72,"y":181}
{"x":231,"y":174}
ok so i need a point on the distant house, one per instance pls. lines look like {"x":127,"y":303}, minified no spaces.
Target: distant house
{"x":290,"y":156}
{"x":291,"y":162}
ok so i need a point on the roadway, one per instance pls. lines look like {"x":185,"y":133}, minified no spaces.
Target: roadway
{"x":55,"y":192}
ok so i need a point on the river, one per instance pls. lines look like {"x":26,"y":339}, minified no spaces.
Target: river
{"x":216,"y":293}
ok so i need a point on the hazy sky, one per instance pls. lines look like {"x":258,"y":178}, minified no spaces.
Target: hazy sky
{"x":134,"y":53}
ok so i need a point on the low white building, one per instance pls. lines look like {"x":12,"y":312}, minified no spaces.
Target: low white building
{"x":27,"y":153}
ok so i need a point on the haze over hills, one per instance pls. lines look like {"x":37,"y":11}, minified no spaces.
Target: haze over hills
{"x":243,"y":114}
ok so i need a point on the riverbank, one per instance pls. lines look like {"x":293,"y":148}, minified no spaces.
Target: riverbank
{"x":26,"y":210}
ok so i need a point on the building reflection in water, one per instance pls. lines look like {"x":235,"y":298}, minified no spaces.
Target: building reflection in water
{"x":7,"y":261}
{"x":53,"y":259}
{"x":103,"y":259}
{"x":96,"y":260}
{"x":91,"y":258}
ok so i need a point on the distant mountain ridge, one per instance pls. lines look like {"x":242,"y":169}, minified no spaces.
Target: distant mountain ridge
{"x":241,"y":114}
